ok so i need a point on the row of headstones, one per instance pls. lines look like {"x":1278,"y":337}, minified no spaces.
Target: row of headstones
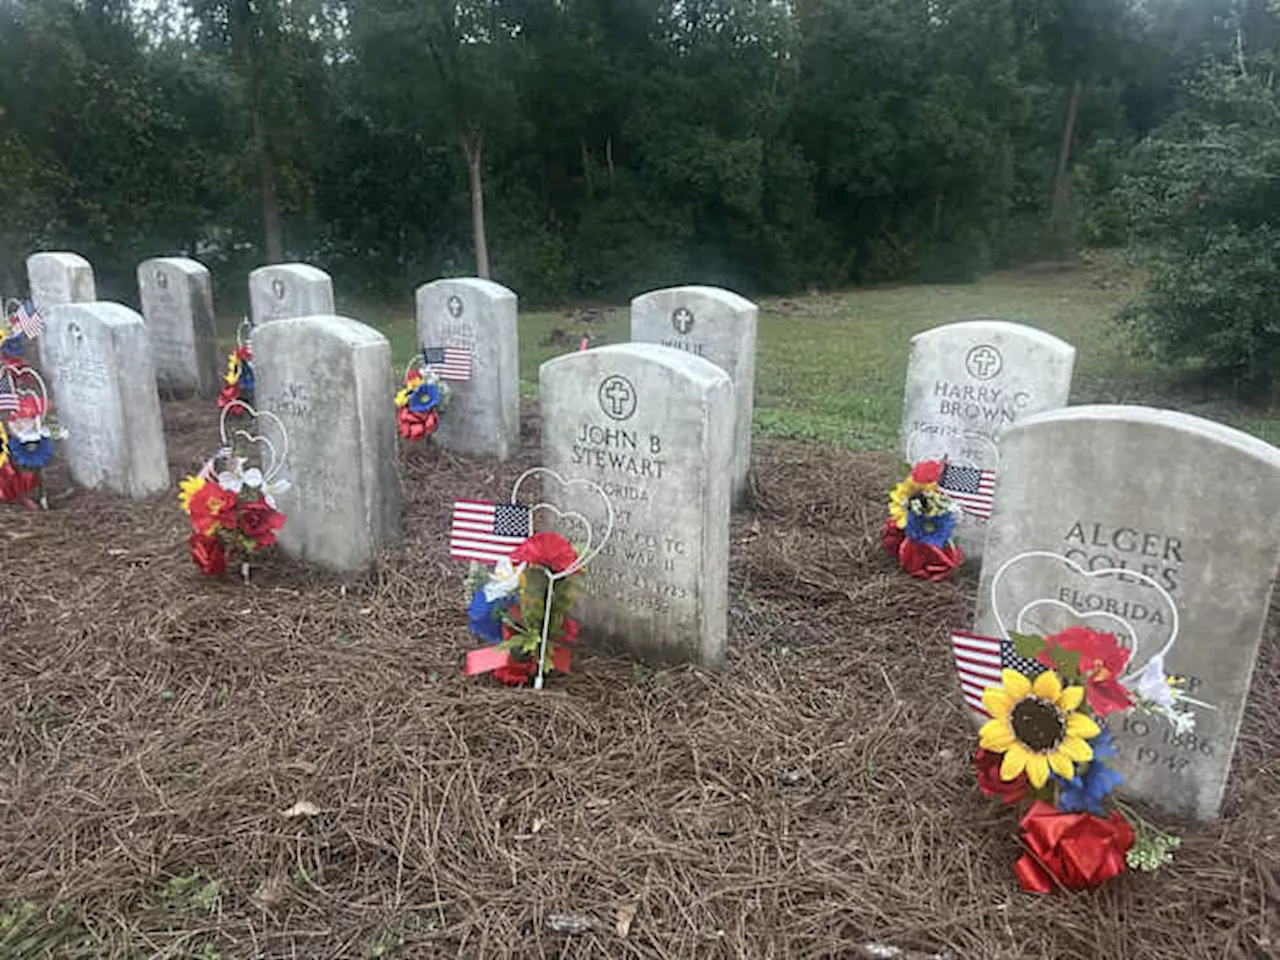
{"x":1184,"y":500}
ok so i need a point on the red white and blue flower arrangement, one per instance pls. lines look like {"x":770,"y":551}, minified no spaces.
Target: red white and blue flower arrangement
{"x":1047,"y":748}
{"x":420,"y":400}
{"x":921,"y":521}
{"x":521,"y":596}
{"x":27,"y":424}
{"x":231,"y":501}
{"x":238,"y":381}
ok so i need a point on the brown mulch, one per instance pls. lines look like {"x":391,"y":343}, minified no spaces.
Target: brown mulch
{"x":814,"y":798}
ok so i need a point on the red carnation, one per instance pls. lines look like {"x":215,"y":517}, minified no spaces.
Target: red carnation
{"x":549,"y":550}
{"x":987,"y":765}
{"x":416,"y":426}
{"x":1078,"y":850}
{"x":243,"y":352}
{"x":208,"y":554}
{"x":927,"y":471}
{"x":259,"y":522}
{"x":16,"y":484}
{"x":1102,"y":661}
{"x":929,"y":562}
{"x":29,"y":407}
{"x":891,"y":537}
{"x":516,"y":673}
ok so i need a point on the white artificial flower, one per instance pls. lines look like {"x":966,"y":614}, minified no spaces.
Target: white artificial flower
{"x":233,"y":480}
{"x":1153,"y":685}
{"x":270,"y":488}
{"x":27,"y":430}
{"x":253,"y":478}
{"x":1183,"y":721}
{"x":505,"y":580}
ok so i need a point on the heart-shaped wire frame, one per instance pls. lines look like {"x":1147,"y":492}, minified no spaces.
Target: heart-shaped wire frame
{"x":278,"y":455}
{"x":244,"y":330}
{"x":968,"y":435}
{"x":1081,"y":615}
{"x":589,"y":553}
{"x":428,"y":374}
{"x":14,"y":374}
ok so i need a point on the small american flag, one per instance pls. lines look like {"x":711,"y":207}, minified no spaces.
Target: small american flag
{"x":450,"y":363}
{"x":979,"y":661}
{"x":973,"y":489}
{"x":28,"y":320}
{"x":8,"y":396}
{"x":486,"y":531}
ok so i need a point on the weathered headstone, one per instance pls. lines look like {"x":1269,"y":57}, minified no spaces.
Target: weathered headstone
{"x":328,"y":379}
{"x":283,"y":290}
{"x":1185,"y":501}
{"x":653,"y":426}
{"x":966,"y":384}
{"x":55,"y":278}
{"x":177,"y":304}
{"x":478,"y":316}
{"x":717,"y":325}
{"x":98,"y":361}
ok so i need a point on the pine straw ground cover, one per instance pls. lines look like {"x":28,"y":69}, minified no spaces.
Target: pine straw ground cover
{"x":159,"y":733}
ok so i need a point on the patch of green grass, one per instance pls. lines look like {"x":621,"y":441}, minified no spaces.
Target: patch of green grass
{"x":830,"y":367}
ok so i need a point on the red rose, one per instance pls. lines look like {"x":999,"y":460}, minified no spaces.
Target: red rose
{"x":927,"y":471}
{"x":570,"y":632}
{"x":891,"y":537}
{"x":1078,"y":850}
{"x":1102,"y":661}
{"x":548,"y":550}
{"x":208,"y":554}
{"x":243,"y":353}
{"x":259,"y":522}
{"x":987,"y":765}
{"x":929,"y":562}
{"x":16,"y":484}
{"x":211,"y":507}
{"x":29,"y":407}
{"x":230,"y":393}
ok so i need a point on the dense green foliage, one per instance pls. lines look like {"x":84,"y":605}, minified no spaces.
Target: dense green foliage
{"x":623,"y":144}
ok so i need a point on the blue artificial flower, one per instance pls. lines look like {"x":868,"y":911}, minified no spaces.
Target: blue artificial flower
{"x":935,"y":531}
{"x":246,"y":377}
{"x":424,"y":398}
{"x":484,"y":615}
{"x":11,"y":346}
{"x":1093,"y":781}
{"x":31,"y":455}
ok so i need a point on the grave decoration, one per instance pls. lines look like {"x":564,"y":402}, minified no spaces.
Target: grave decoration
{"x":522,"y":605}
{"x":23,"y":323}
{"x":922,"y":519}
{"x":421,"y":399}
{"x":27,"y":432}
{"x":1047,"y":702}
{"x":231,"y":501}
{"x":238,"y":382}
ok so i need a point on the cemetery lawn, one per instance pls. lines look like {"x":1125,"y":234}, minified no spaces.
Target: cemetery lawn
{"x":830,"y":367}
{"x":298,"y":769}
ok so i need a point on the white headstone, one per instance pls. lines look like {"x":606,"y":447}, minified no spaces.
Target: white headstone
{"x":56,"y":278}
{"x":1185,"y":501}
{"x":653,"y":426}
{"x":98,"y":361}
{"x":966,"y":384}
{"x":177,"y":304}
{"x":483,"y":418}
{"x":329,"y":381}
{"x":283,"y":290}
{"x":717,"y":325}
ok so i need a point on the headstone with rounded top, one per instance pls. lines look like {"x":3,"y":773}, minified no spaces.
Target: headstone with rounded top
{"x":328,"y":380}
{"x":966,"y":384}
{"x":97,"y":360}
{"x":469,"y":326}
{"x":1162,"y":529}
{"x":282,"y":290}
{"x":58,"y":277}
{"x":717,"y":325}
{"x":177,"y":304}
{"x":653,"y":427}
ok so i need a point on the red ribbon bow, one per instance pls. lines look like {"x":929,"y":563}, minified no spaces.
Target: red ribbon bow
{"x":1075,"y":850}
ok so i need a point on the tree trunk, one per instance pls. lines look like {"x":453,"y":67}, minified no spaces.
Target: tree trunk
{"x":1058,"y":208}
{"x":270,"y":197}
{"x":473,"y":149}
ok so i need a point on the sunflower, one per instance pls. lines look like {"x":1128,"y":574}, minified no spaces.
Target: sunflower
{"x":1037,"y":726}
{"x":187,"y":489}
{"x":4,"y":446}
{"x":900,"y":499}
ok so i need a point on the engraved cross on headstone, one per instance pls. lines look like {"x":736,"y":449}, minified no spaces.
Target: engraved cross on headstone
{"x":619,"y":395}
{"x":682,"y":320}
{"x":983,"y":360}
